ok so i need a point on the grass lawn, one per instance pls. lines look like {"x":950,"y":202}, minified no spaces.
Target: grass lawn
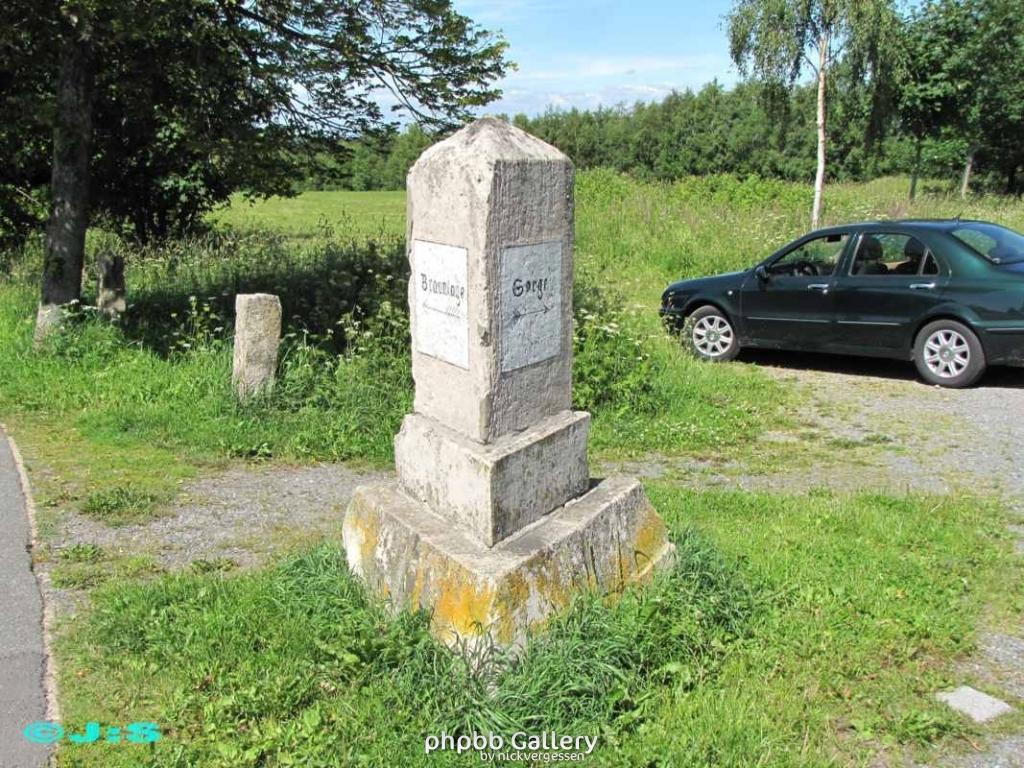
{"x":795,"y":631}
{"x":309,"y":214}
{"x":802,"y":630}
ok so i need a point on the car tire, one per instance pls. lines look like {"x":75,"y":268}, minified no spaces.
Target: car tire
{"x":710,"y":335}
{"x":948,"y":354}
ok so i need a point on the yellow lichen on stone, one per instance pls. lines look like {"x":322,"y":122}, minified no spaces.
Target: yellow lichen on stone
{"x":531,"y":595}
{"x":462,"y":606}
{"x":361,"y":532}
{"x":416,"y":595}
{"x":649,"y":539}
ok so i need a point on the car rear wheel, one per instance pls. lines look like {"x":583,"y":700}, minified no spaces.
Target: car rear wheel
{"x":710,"y":335}
{"x":948,"y":353}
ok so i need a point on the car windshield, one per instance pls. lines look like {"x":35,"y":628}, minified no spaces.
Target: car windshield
{"x":997,"y":244}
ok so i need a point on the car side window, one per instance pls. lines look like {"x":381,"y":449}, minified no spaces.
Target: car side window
{"x":882,"y":254}
{"x":930,"y":266}
{"x":979,"y":241}
{"x":815,"y":258}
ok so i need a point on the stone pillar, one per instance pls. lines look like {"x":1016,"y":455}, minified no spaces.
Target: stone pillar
{"x":493,"y":521}
{"x":493,"y":443}
{"x":257,"y":337}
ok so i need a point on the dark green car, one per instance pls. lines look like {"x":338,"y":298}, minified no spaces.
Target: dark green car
{"x":948,"y":295}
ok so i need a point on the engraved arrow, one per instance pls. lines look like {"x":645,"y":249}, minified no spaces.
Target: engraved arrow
{"x":445,"y":312}
{"x":516,"y":314}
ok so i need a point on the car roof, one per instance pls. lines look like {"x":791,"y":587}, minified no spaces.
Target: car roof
{"x":935,"y":225}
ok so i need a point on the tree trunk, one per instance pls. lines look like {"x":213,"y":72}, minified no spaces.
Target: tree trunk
{"x":819,"y":178}
{"x":69,"y":184}
{"x":917,"y":169}
{"x":965,"y":185}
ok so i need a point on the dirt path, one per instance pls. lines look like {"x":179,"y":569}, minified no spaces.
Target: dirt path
{"x":928,"y":438}
{"x":872,"y":425}
{"x":238,"y":518}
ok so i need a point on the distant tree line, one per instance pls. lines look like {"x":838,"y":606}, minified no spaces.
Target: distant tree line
{"x":938,"y":93}
{"x":689,"y":133}
{"x":712,"y":130}
{"x":142,"y":115}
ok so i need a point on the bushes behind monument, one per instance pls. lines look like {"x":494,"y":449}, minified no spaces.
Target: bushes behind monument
{"x":163,"y":372}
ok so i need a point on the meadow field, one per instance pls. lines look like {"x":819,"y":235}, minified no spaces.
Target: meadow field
{"x":798,"y":629}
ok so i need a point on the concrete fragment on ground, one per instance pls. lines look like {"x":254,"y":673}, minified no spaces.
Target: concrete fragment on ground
{"x":978,"y":706}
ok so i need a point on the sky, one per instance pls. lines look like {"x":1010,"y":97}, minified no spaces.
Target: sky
{"x":590,"y":53}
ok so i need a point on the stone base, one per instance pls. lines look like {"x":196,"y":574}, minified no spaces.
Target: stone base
{"x":498,"y":488}
{"x":413,"y":558}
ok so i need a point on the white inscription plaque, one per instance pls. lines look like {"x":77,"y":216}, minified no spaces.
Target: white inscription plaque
{"x":440,"y":296}
{"x":531,"y":304}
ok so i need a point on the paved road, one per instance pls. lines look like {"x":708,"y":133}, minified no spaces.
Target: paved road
{"x":22,"y":659}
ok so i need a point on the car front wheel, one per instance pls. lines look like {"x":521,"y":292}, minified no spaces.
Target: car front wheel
{"x":948,"y":353}
{"x":710,"y":335}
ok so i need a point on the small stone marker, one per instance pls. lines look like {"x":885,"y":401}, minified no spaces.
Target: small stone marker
{"x":257,"y":338}
{"x":494,"y":522}
{"x":110,"y":296}
{"x":978,"y":706}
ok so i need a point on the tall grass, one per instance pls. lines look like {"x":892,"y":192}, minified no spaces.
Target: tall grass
{"x":641,"y":236}
{"x":294,"y":666}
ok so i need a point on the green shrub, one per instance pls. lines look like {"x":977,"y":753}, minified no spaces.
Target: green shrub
{"x":612,"y":365}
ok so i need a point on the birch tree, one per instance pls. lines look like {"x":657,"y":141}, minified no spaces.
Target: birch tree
{"x":779,"y":41}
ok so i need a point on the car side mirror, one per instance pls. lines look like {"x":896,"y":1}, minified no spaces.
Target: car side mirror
{"x":761,"y":271}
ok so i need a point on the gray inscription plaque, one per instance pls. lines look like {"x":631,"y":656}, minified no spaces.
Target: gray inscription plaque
{"x":531,"y":304}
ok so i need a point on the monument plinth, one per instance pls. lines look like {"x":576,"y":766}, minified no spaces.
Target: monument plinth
{"x":494,"y":522}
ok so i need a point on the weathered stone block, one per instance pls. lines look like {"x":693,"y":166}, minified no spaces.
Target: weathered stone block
{"x":110,"y":295}
{"x":607,"y":538}
{"x":497,"y":488}
{"x":490,"y":234}
{"x":257,"y":338}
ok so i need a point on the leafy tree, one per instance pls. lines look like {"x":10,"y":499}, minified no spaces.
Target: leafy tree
{"x":24,"y":127}
{"x":992,"y":64}
{"x":405,"y":150}
{"x":777,"y":40}
{"x":964,"y":78}
{"x":194,"y":99}
{"x":927,"y":98}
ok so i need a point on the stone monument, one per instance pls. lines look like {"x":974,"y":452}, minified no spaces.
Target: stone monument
{"x":494,"y":522}
{"x":257,"y":339}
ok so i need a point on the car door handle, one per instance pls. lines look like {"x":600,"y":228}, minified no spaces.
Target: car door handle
{"x":922,"y":286}
{"x":823,"y":287}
